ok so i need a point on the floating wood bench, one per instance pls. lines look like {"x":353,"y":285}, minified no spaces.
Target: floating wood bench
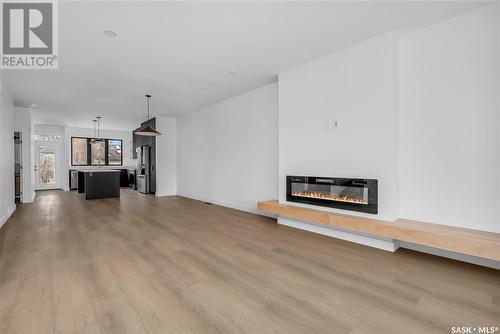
{"x":461,"y":240}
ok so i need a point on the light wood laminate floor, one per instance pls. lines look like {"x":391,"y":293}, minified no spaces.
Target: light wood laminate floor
{"x":173,"y":265}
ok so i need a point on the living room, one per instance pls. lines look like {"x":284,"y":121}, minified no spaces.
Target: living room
{"x":326,"y":167}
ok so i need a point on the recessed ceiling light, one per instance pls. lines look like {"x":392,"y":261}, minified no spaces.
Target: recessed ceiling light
{"x":110,"y":33}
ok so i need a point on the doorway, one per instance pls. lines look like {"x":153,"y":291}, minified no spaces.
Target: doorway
{"x":18,"y":167}
{"x":48,"y":167}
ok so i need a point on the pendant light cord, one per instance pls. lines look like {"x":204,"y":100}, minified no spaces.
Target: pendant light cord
{"x":148,"y":96}
{"x":98,"y":127}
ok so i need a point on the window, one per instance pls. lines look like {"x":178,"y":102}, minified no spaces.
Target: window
{"x":114,"y":152}
{"x":79,"y":151}
{"x":47,"y":166}
{"x":84,"y":152}
{"x":98,"y":153}
{"x":39,"y":137}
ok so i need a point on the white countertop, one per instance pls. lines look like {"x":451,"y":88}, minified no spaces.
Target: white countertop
{"x":92,"y":168}
{"x":99,"y":170}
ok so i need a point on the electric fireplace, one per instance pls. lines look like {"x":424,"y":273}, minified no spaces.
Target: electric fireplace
{"x":341,"y":193}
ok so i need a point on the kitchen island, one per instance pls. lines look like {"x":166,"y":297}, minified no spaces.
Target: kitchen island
{"x":99,"y":183}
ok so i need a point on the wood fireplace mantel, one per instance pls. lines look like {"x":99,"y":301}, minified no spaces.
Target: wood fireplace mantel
{"x":461,"y":240}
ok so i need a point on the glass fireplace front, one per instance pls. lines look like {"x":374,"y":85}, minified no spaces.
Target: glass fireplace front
{"x":342,"y":193}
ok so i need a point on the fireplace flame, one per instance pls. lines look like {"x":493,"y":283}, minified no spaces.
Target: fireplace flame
{"x":339,"y":198}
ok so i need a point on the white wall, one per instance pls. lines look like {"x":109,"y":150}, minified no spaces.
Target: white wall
{"x":357,"y":87}
{"x":449,"y":152}
{"x":24,"y":124}
{"x":7,"y":205}
{"x":45,"y":129}
{"x":228,"y":152}
{"x":166,"y":156}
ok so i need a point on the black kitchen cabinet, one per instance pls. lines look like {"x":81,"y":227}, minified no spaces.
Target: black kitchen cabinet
{"x":124,"y":178}
{"x":134,"y":145}
{"x":152,"y":168}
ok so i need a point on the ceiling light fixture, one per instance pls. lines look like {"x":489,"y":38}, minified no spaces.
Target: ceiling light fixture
{"x":146,"y":130}
{"x":97,"y":134}
{"x":110,"y":33}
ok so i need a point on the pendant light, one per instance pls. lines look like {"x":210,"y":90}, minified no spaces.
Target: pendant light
{"x":146,"y":130}
{"x":97,"y":136}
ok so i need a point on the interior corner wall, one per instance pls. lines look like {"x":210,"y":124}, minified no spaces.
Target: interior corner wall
{"x":166,"y":156}
{"x":24,"y":123}
{"x":449,"y":125}
{"x":7,"y":191}
{"x":228,"y":152}
{"x":356,"y":87}
{"x":66,"y":186}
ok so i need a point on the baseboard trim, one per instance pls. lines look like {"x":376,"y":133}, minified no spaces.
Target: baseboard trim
{"x":157,"y":194}
{"x":8,"y":214}
{"x":231,"y":205}
{"x":380,"y":243}
{"x":30,"y":200}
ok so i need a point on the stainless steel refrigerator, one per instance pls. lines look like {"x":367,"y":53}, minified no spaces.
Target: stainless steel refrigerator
{"x":146,"y":169}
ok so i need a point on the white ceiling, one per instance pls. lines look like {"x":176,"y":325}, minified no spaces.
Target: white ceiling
{"x":181,"y":52}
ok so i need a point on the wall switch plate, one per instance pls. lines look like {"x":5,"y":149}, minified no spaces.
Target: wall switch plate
{"x":333,"y":124}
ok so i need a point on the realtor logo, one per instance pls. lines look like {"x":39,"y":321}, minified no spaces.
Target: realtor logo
{"x":29,"y":34}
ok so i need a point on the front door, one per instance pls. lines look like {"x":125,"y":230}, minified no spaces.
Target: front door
{"x":48,"y":165}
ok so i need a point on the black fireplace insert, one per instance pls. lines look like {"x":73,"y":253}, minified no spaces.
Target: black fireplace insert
{"x":341,"y":193}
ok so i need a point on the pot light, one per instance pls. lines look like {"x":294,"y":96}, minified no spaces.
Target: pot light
{"x":110,"y":33}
